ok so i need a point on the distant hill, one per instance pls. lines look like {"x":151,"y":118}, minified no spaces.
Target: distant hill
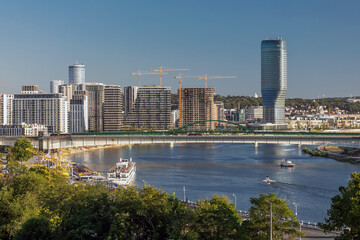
{"x":298,"y":103}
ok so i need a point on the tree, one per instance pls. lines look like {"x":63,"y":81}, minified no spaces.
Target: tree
{"x":148,"y":213}
{"x":217,"y":218}
{"x":19,"y":151}
{"x":345,"y":210}
{"x":283,"y":219}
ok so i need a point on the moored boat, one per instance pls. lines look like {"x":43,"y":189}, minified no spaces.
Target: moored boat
{"x":122,"y":173}
{"x":287,"y":163}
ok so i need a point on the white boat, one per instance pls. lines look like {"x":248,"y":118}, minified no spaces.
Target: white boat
{"x":268,"y":180}
{"x":287,"y":163}
{"x":122,"y":173}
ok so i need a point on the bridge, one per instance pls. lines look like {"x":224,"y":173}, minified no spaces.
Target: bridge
{"x":113,"y":140}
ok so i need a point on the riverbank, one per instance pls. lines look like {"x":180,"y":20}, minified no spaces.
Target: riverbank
{"x":74,"y":150}
{"x":341,"y":154}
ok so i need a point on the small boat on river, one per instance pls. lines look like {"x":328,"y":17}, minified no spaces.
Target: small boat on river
{"x":287,"y":163}
{"x":122,"y":173}
{"x":268,"y":180}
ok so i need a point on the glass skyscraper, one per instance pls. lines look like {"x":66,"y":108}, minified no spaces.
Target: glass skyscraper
{"x":273,"y":80}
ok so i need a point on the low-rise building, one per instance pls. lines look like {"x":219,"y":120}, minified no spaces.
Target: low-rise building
{"x":254,"y":114}
{"x":27,"y":130}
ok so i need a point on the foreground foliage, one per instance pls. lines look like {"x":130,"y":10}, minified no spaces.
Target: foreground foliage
{"x":345,"y":210}
{"x":283,"y":219}
{"x":38,"y":203}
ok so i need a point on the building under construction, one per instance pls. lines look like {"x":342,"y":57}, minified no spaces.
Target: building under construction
{"x":152,"y":108}
{"x":130,"y":94}
{"x":197,"y":104}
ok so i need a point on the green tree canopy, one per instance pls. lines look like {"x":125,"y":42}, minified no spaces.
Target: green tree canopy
{"x":19,"y":151}
{"x":283,"y":219}
{"x":345,"y":210}
{"x":218,"y":218}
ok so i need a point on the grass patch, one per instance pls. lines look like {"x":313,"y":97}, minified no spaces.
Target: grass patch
{"x":334,"y":149}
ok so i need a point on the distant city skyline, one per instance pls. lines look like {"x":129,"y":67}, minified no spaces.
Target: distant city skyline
{"x":41,"y":39}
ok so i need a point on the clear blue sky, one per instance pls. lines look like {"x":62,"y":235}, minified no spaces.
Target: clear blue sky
{"x":40,"y":39}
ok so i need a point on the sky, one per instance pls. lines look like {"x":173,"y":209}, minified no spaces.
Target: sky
{"x":40,"y":39}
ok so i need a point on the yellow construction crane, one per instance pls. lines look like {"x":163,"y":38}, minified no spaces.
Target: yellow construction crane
{"x":180,"y":77}
{"x":161,"y":70}
{"x":139,"y":73}
{"x":205,"y":77}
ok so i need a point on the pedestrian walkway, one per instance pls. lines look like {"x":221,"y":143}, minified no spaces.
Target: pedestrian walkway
{"x":316,"y":233}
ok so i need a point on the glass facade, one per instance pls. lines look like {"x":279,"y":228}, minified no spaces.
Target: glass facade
{"x":273,"y":80}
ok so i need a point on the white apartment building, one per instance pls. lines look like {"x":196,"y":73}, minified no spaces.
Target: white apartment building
{"x":6,"y":108}
{"x":28,"y":130}
{"x":78,"y":115}
{"x":39,"y":108}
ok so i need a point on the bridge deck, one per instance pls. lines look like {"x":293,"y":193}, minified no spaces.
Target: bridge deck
{"x":101,"y":140}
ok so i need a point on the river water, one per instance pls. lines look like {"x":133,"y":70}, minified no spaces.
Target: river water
{"x":227,"y":169}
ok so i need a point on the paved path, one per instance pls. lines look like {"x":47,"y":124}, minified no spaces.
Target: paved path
{"x":316,"y":233}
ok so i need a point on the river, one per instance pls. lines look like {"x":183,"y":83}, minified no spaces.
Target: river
{"x":227,"y":169}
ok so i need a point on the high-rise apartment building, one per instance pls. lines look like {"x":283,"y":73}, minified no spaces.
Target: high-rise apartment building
{"x":39,"y":108}
{"x":130,"y":94}
{"x":95,"y":93}
{"x":152,"y":108}
{"x":78,"y":115}
{"x":273,"y":80}
{"x":6,"y":108}
{"x":113,"y":104}
{"x":54,"y":85}
{"x":76,"y":74}
{"x":197,"y":104}
{"x":67,"y":90}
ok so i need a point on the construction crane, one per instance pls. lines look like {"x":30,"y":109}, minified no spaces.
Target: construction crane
{"x":180,"y":77}
{"x":59,"y":162}
{"x":161,"y":70}
{"x":205,"y":77}
{"x":139,"y":73}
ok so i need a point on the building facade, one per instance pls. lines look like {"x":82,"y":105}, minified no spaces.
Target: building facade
{"x":152,"y":108}
{"x":54,"y":85}
{"x":130,"y":94}
{"x":6,"y":108}
{"x":255,"y":114}
{"x":197,"y":104}
{"x":273,"y":80}
{"x":49,"y":110}
{"x":95,"y":93}
{"x":113,"y":104}
{"x":76,"y":74}
{"x":78,"y":115}
{"x":27,"y":130}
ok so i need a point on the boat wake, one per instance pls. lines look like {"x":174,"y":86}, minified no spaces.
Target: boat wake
{"x":304,"y":186}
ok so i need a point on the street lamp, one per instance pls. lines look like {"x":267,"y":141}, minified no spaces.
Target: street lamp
{"x":296,"y":215}
{"x":235,"y":200}
{"x":184,"y":194}
{"x":295,"y":209}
